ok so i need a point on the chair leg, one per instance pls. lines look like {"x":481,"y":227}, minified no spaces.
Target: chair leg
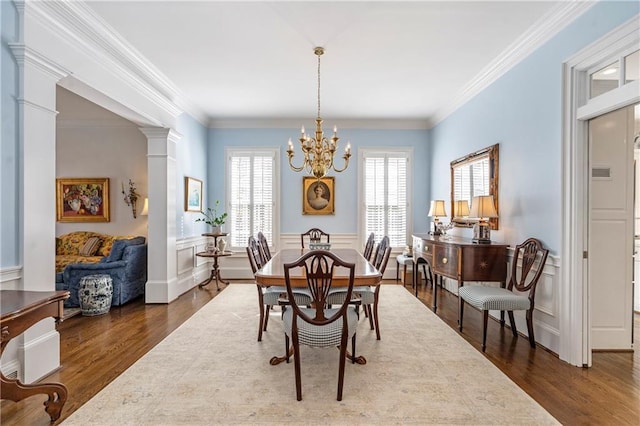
{"x":266,"y":317}
{"x":397,"y":271}
{"x":353,"y":349}
{"x":512,"y":320}
{"x":286,"y":347}
{"x":261,"y":302}
{"x":296,"y":363}
{"x":460,"y":312}
{"x":485,"y":320}
{"x":375,"y":312}
{"x":532,"y":339}
{"x":370,"y":315}
{"x":343,"y":356}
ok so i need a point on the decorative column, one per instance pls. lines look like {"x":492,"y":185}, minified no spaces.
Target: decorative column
{"x":39,"y":347}
{"x":162,"y":280}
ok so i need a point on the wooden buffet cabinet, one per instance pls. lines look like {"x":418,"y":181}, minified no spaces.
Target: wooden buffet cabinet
{"x":460,"y":259}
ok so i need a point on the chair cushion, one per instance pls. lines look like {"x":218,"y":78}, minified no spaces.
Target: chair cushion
{"x":270,"y":295}
{"x":366,"y":294}
{"x":117,"y":249}
{"x":404,"y":260}
{"x":493,"y":298}
{"x":320,"y":336}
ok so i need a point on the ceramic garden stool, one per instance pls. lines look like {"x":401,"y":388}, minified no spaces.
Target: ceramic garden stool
{"x":95,"y":294}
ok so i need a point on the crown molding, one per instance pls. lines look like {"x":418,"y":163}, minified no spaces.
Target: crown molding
{"x":78,"y":24}
{"x":550,"y":24}
{"x":295,"y":123}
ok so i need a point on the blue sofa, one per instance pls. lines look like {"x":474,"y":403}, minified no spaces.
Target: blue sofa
{"x":126,"y":263}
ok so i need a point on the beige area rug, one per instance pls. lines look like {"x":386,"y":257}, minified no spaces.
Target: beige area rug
{"x":212,"y":370}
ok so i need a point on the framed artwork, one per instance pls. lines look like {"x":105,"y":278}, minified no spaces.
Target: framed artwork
{"x":192,"y":194}
{"x":82,"y":200}
{"x":318,"y":195}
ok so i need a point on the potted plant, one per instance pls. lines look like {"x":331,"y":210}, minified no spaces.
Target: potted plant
{"x":212,"y":218}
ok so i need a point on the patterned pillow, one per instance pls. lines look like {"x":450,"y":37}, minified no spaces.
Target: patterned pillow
{"x":90,"y":247}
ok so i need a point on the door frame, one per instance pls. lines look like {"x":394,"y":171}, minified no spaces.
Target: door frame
{"x":575,"y":319}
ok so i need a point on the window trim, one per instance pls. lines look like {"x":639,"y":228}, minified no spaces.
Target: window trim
{"x":372,"y":151}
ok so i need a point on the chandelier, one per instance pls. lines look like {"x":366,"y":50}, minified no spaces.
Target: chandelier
{"x":318,"y":151}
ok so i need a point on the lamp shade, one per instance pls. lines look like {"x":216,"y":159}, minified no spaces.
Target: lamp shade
{"x":482,"y":206}
{"x":145,"y":208}
{"x":461,"y":208}
{"x":437,"y":208}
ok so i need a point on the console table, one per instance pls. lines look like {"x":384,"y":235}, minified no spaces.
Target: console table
{"x":460,"y":259}
{"x":215,"y":254}
{"x":19,"y":310}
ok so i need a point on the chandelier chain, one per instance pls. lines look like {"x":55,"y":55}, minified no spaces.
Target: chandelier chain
{"x":318,"y":86}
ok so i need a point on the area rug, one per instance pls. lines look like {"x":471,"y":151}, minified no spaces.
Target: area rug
{"x":212,"y":370}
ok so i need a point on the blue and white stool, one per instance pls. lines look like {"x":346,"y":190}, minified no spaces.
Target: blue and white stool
{"x":95,"y":294}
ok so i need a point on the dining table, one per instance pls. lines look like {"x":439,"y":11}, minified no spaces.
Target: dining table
{"x":272,"y":273}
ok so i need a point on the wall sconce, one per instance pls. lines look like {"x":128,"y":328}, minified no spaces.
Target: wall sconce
{"x":461,"y":208}
{"x":436,"y":210}
{"x":132,"y":197}
{"x":483,"y":208}
{"x":145,"y":207}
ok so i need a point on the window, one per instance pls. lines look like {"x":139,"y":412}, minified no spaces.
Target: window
{"x":251,"y":191}
{"x":385,"y":183}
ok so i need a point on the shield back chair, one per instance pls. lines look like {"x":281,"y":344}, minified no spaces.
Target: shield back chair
{"x":523,"y":279}
{"x":264,"y":247}
{"x":267,"y":296}
{"x":368,"y":247}
{"x":319,"y":325}
{"x":315,"y":235}
{"x":368,"y":295}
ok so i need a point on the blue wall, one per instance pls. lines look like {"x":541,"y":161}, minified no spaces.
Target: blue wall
{"x":522,"y":112}
{"x":10,"y":219}
{"x":191,"y":160}
{"x":346,"y":183}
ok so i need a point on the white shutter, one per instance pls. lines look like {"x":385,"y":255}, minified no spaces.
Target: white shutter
{"x":251,"y":192}
{"x":385,"y":196}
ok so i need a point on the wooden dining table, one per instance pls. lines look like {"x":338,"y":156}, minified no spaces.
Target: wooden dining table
{"x":272,"y":273}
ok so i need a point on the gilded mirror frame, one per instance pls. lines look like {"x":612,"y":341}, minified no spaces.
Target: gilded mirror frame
{"x":492,"y":154}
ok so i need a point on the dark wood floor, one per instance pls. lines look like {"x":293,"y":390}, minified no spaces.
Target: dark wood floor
{"x":95,"y":350}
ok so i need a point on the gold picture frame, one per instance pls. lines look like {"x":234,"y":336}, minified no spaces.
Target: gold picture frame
{"x":192,"y":194}
{"x":318,"y":196}
{"x":82,"y":200}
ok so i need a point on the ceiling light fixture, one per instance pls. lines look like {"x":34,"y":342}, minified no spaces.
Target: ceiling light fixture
{"x":318,"y":151}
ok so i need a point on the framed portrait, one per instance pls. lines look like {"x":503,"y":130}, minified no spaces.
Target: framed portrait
{"x":318,"y":195}
{"x":192,"y":194}
{"x":82,"y":200}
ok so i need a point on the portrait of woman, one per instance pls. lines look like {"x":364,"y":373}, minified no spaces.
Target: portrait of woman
{"x":318,"y":195}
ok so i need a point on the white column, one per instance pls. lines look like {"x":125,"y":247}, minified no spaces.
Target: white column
{"x":38,"y":347}
{"x":162,"y":280}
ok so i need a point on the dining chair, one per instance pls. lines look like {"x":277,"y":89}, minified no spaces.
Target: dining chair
{"x":264,"y":247}
{"x":368,"y":247}
{"x":319,"y":326}
{"x":523,"y":279}
{"x":368,"y":295}
{"x":267,"y":295}
{"x":315,"y":235}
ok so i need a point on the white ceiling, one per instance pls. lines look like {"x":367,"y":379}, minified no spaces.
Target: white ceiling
{"x":239,"y":60}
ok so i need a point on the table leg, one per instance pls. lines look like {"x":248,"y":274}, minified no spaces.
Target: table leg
{"x":15,"y":391}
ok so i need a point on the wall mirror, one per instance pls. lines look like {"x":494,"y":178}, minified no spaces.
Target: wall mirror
{"x":472,"y":175}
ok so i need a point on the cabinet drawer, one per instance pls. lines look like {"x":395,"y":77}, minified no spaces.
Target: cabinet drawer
{"x":485,"y":264}
{"x":424,"y":249}
{"x":445,"y":261}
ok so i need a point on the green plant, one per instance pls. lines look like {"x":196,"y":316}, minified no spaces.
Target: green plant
{"x":211,"y":216}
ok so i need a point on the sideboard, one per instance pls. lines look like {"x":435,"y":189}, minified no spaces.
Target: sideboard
{"x":460,"y":259}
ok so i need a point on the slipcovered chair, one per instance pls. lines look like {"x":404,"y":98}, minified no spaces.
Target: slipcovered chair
{"x":320,"y":326}
{"x":315,"y":235}
{"x":368,"y":295}
{"x":368,"y":247}
{"x":526,"y":255}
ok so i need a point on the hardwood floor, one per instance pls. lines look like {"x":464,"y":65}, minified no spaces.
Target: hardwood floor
{"x":95,"y":350}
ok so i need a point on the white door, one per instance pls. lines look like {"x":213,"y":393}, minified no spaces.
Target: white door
{"x":611,"y":229}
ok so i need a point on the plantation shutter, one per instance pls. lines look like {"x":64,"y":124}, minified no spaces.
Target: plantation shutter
{"x":471,"y":180}
{"x":251,"y":192}
{"x":385,"y":196}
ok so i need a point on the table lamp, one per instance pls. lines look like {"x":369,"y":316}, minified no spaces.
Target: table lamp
{"x":483,"y":208}
{"x":461,"y":208}
{"x":436,"y":209}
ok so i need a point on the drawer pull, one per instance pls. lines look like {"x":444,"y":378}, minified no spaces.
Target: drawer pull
{"x":444,"y":260}
{"x":426,"y":248}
